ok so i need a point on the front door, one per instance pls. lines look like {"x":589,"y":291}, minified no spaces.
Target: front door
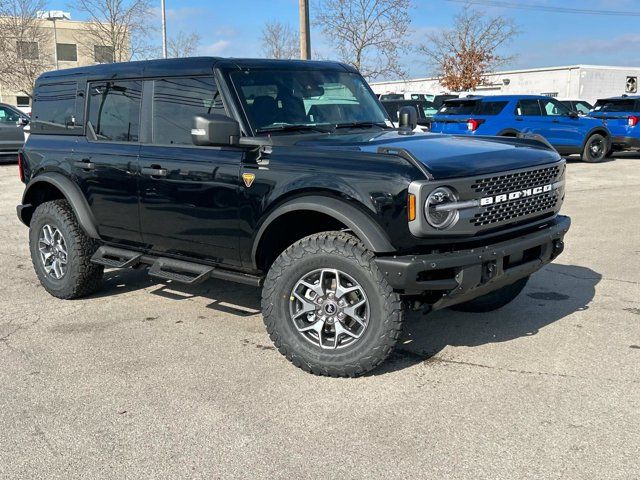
{"x":11,"y":133}
{"x":105,"y":162}
{"x":189,"y":195}
{"x":563,"y":131}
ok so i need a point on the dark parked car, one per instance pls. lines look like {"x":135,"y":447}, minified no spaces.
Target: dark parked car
{"x":12,"y":122}
{"x":284,"y":175}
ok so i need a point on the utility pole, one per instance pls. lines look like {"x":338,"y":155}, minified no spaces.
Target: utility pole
{"x":164,"y":29}
{"x":305,"y":37}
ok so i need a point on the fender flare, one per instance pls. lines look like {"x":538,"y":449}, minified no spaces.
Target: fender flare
{"x":362,"y":225}
{"x":72,"y":194}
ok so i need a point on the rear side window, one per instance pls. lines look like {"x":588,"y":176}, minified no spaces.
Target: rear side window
{"x":55,"y":109}
{"x":176,"y":101}
{"x":528,"y":108}
{"x":114,"y":110}
{"x":618,"y":105}
{"x":459,"y":107}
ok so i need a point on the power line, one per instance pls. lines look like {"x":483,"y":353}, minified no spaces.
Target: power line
{"x":544,"y":8}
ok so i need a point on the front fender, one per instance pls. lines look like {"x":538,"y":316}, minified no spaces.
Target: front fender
{"x":71,"y":193}
{"x":362,"y":225}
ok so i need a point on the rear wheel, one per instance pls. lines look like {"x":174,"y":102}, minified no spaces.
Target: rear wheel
{"x":596,"y":148}
{"x":61,"y":252}
{"x":328,"y":308}
{"x":494,"y":300}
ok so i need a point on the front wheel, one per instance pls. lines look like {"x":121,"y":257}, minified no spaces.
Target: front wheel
{"x":327,"y":307}
{"x":596,"y":148}
{"x":494,"y":300}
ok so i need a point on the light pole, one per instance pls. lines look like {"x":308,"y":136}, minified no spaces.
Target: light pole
{"x":164,"y":29}
{"x":53,"y":16}
{"x":305,"y":39}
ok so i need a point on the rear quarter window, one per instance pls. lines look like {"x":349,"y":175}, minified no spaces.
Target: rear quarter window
{"x":490,"y":108}
{"x":57,"y":109}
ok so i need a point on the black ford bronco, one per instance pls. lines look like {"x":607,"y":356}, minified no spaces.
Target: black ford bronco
{"x":286,"y":175}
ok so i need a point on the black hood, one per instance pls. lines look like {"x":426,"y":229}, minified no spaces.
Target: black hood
{"x":447,"y":156}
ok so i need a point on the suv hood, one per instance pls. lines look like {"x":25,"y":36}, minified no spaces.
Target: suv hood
{"x":447,"y":156}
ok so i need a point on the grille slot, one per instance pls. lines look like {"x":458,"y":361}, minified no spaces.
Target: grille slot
{"x":516,"y":181}
{"x":503,"y":212}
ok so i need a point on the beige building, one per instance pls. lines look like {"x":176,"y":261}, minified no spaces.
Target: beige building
{"x":66,"y":44}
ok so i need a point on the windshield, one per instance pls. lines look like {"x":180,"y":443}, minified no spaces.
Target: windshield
{"x":280,"y":100}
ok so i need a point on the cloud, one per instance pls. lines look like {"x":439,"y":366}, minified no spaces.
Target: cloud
{"x":216,"y":48}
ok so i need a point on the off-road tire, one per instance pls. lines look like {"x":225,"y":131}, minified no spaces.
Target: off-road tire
{"x":494,"y":300}
{"x":587,"y":154}
{"x":346,"y":253}
{"x":82,"y":277}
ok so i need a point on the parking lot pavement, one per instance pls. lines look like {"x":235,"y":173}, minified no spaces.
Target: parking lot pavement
{"x":147,"y":380}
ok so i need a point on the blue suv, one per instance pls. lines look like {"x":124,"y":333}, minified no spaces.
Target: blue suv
{"x":621,"y":115}
{"x":511,"y":115}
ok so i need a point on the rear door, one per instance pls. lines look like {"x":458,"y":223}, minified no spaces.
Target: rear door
{"x":11,"y":133}
{"x":105,"y":161}
{"x":529,"y":118}
{"x":189,"y":195}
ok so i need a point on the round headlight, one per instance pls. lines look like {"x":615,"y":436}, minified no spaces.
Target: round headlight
{"x":438,"y":217}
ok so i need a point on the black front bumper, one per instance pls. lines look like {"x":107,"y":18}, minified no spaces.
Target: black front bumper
{"x":456,"y":277}
{"x":626,"y":143}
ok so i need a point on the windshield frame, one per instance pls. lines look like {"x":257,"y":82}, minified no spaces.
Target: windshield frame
{"x":252,"y":130}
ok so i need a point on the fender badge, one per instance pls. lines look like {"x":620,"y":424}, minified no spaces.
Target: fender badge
{"x":248,"y":179}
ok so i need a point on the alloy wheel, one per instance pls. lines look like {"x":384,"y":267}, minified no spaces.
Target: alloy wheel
{"x":53,"y":251}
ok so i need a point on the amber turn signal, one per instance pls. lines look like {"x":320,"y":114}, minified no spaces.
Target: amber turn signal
{"x":411,"y":203}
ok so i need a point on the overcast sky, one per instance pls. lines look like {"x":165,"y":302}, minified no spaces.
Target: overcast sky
{"x":232,"y":28}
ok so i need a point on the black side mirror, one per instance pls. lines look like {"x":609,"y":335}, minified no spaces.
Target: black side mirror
{"x":573,"y":114}
{"x":22,"y":122}
{"x":215,"y":129}
{"x":407,"y":119}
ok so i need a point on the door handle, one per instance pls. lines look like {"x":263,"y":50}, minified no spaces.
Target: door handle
{"x":85,"y":164}
{"x":556,"y":121}
{"x":519,"y":119}
{"x":154,"y":171}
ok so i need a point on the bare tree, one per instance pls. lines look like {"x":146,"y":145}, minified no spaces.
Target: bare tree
{"x":118,"y":27}
{"x":368,"y":34}
{"x":25,"y":44}
{"x":465,"y":54}
{"x":279,"y":40}
{"x":183,"y":45}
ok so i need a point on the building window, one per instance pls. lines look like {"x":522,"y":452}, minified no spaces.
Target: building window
{"x":103,"y":54}
{"x":27,"y":50}
{"x":67,"y":52}
{"x":114,"y":110}
{"x":23,"y":101}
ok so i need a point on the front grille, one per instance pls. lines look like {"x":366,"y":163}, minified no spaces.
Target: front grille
{"x":516,"y":181}
{"x":504,"y":212}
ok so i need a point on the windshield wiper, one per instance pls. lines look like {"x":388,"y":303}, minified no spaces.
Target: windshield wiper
{"x":293,"y":128}
{"x":361,"y":125}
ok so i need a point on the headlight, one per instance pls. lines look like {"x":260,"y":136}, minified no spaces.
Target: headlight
{"x":441,"y":218}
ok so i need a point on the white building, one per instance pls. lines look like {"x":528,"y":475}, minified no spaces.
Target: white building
{"x":584,"y":82}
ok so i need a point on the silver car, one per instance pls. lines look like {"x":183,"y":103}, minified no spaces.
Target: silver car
{"x":12,"y":123}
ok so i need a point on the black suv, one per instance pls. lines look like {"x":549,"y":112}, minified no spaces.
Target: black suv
{"x":286,"y":175}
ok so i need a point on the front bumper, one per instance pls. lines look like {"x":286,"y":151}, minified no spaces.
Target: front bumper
{"x":626,"y":143}
{"x":456,"y":277}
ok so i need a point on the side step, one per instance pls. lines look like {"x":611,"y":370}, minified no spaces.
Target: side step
{"x":179,"y":271}
{"x":169,"y":268}
{"x":112,"y":257}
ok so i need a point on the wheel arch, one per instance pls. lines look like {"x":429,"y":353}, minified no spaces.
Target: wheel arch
{"x":508,"y":132}
{"x":325,"y":213}
{"x":51,"y":186}
{"x":599,"y":129}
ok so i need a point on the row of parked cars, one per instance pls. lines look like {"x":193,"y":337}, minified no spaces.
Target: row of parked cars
{"x":570,"y":126}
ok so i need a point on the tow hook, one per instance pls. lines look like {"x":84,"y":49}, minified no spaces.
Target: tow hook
{"x":558,"y":248}
{"x":489,"y":270}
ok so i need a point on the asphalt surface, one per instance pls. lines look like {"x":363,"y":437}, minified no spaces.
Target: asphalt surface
{"x":147,"y":380}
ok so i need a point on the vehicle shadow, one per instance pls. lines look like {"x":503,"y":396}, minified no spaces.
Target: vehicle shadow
{"x":550,"y":295}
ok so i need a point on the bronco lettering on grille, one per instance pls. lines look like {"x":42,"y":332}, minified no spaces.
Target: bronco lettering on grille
{"x":507,"y":197}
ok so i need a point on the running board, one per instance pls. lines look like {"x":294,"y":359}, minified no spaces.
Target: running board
{"x":170,"y":269}
{"x":112,"y":257}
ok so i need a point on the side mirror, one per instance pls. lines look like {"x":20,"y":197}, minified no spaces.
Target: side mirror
{"x":407,"y":119}
{"x":215,"y":129}
{"x":22,"y":122}
{"x":573,"y":114}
